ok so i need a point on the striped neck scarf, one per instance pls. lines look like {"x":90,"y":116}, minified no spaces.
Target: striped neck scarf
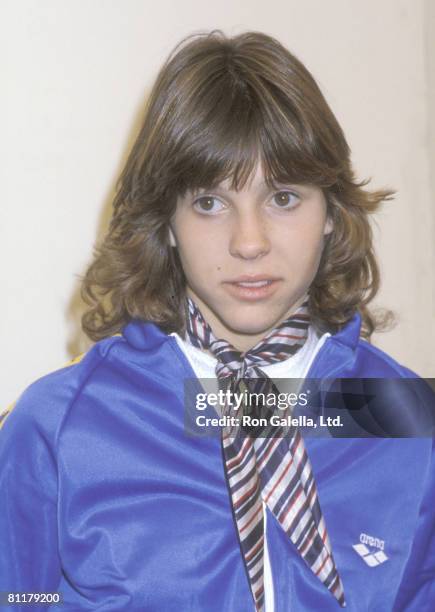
{"x":276,"y":469}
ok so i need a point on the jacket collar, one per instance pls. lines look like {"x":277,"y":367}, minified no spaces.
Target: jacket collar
{"x":144,"y":335}
{"x":350,"y":333}
{"x":338,"y":352}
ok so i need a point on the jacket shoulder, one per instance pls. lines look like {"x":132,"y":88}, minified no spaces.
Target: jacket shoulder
{"x":373,"y":362}
{"x":360,"y":358}
{"x":46,"y":401}
{"x":348,"y":352}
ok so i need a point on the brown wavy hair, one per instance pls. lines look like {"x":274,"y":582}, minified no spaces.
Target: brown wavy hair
{"x":219,"y":105}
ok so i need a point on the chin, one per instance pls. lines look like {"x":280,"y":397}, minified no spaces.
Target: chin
{"x":250,"y":325}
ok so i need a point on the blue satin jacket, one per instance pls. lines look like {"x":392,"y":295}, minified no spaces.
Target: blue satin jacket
{"x":105,"y":499}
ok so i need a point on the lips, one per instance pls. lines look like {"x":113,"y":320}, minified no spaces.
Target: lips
{"x":260,"y":283}
{"x":252,"y":279}
{"x":252,"y":287}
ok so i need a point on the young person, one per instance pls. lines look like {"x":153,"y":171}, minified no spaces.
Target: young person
{"x":239,"y":252}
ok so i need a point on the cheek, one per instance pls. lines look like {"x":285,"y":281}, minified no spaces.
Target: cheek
{"x":303,"y":239}
{"x":200,"y":257}
{"x":303,"y":244}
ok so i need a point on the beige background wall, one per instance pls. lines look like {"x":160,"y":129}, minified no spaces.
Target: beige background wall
{"x":75,"y":75}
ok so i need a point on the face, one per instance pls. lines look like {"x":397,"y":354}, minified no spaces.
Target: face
{"x":249,"y":256}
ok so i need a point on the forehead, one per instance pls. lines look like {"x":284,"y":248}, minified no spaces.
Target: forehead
{"x":256,"y":181}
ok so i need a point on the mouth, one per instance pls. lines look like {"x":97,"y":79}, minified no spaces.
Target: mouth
{"x":259,"y":283}
{"x":252,"y":287}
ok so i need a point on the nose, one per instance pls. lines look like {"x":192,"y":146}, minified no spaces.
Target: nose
{"x":249,"y":238}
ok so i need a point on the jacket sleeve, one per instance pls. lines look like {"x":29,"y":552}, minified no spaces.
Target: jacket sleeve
{"x":417,"y":586}
{"x":28,"y":491}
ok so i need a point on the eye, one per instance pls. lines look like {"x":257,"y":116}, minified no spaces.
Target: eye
{"x":286,"y":199}
{"x":208,"y":205}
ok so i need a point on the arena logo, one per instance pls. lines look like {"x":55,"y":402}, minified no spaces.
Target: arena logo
{"x":364,"y":538}
{"x":374,"y":555}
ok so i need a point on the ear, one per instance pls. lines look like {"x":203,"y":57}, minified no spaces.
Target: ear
{"x":172,"y":241}
{"x":329,"y":226}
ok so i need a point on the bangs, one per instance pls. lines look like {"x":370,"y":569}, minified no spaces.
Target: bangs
{"x":232,"y":126}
